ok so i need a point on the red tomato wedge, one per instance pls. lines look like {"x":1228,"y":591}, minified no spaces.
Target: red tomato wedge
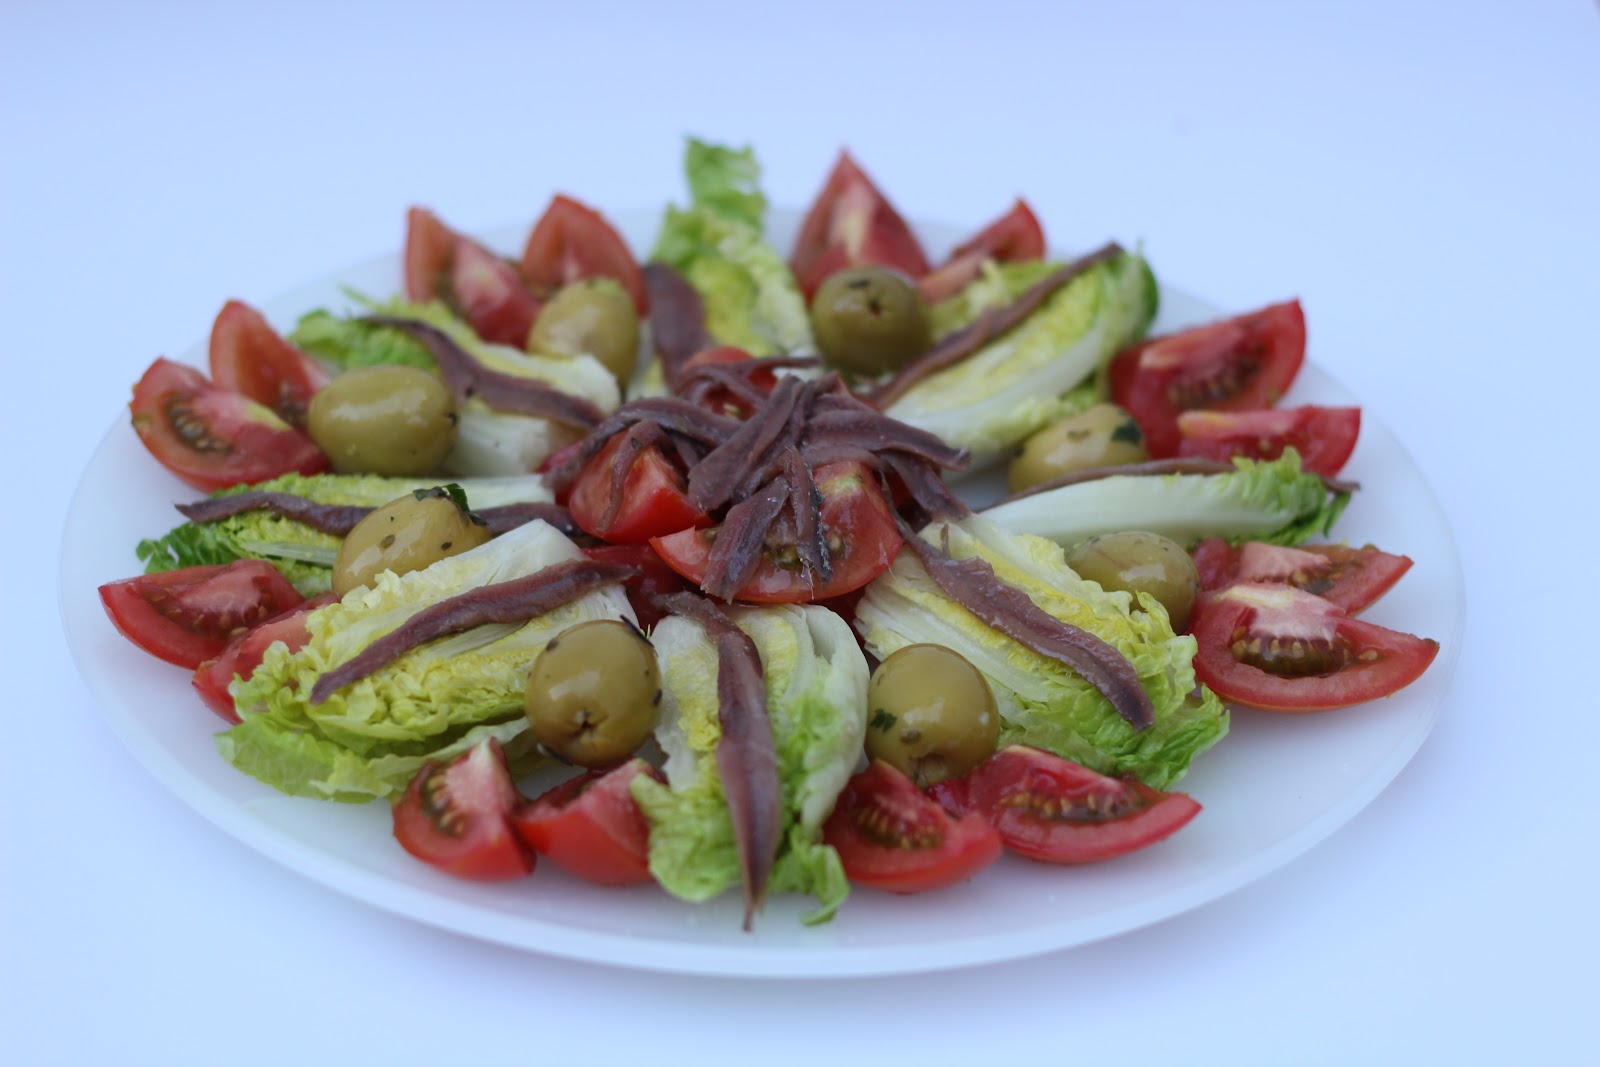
{"x":1053,"y":810}
{"x":1241,"y":364}
{"x":855,"y":517}
{"x":490,"y":295}
{"x":244,"y":654}
{"x":720,"y":399}
{"x":590,"y":826}
{"x":248,"y":356}
{"x":892,"y":837}
{"x":1279,"y":648}
{"x":457,"y":817}
{"x":190,"y":615}
{"x":1349,"y":578}
{"x":1324,"y":437}
{"x":213,"y":437}
{"x":652,"y":499}
{"x":430,"y":250}
{"x":571,"y":242}
{"x":852,"y":224}
{"x":1014,"y":237}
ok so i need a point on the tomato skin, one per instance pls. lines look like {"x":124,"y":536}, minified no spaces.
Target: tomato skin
{"x":245,"y":652}
{"x":1362,"y":661}
{"x":188,"y":616}
{"x":571,"y":242}
{"x":590,"y":826}
{"x":655,"y":581}
{"x":852,"y":224}
{"x":890,"y":836}
{"x":1240,"y":364}
{"x":248,"y":356}
{"x":653,"y":500}
{"x":1014,"y":237}
{"x":457,"y":817}
{"x":1053,"y":810}
{"x":855,"y":515}
{"x":1324,"y":436}
{"x":211,"y":437}
{"x":1352,"y":579}
{"x":430,"y":248}
{"x":491,"y":296}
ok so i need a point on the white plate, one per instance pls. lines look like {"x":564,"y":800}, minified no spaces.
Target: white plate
{"x":1276,"y":786}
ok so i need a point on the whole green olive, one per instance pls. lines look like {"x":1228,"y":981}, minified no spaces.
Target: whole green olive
{"x":594,"y":693}
{"x":1141,"y":562}
{"x":1103,"y":436}
{"x":869,"y":320}
{"x":931,"y":714}
{"x":405,"y":535}
{"x":387,"y":419}
{"x":594,"y":316}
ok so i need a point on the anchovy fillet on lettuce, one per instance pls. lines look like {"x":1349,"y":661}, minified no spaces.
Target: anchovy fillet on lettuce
{"x":368,"y":739}
{"x":1043,"y":702}
{"x":816,"y":684}
{"x":1025,"y":379}
{"x":488,"y":442}
{"x":1259,"y":500}
{"x":303,"y":554}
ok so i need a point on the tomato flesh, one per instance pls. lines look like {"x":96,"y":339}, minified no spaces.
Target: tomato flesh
{"x":188,"y":616}
{"x":1278,"y":648}
{"x":1014,"y":237}
{"x":1323,"y":436}
{"x":1350,"y":578}
{"x":655,"y":580}
{"x":430,"y":247}
{"x":852,"y":224}
{"x":892,"y":837}
{"x":571,"y":242}
{"x":721,"y":400}
{"x":245,"y":652}
{"x":248,"y":356}
{"x":212,"y":437}
{"x":652,"y":499}
{"x":491,"y":296}
{"x":590,"y":826}
{"x":457,"y":817}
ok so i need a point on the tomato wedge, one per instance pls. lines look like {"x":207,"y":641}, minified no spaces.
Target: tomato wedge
{"x":244,"y":654}
{"x":484,"y":289}
{"x":1241,"y":364}
{"x":1350,"y":578}
{"x":721,"y":400}
{"x":852,"y":224}
{"x":590,"y":826}
{"x":571,"y":242}
{"x":1279,"y":648}
{"x":652,"y":499}
{"x":248,"y":356}
{"x":857,"y":522}
{"x":1053,"y":810}
{"x":1323,"y":436}
{"x":457,"y":817}
{"x":430,"y":249}
{"x":213,"y":437}
{"x":190,"y":615}
{"x":1014,"y":237}
{"x":892,"y":837}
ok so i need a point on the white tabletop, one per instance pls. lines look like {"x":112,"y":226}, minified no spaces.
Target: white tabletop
{"x":1421,"y":175}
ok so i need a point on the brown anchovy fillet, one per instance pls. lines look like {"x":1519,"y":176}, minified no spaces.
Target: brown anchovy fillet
{"x":677,"y":320}
{"x":335,"y":519}
{"x":1155,"y":468}
{"x":876,"y":432}
{"x":510,"y":393}
{"x":747,"y":761}
{"x":926,"y":487}
{"x":735,"y":377}
{"x":972,"y":584}
{"x":957,"y":346}
{"x":518,"y":600}
{"x":805,"y":501}
{"x":503,"y":517}
{"x":747,"y":455}
{"x":736,"y":553}
{"x":679,"y":417}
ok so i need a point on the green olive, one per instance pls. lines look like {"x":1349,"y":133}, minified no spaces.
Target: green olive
{"x":869,"y":320}
{"x":594,"y":693}
{"x":387,"y":419}
{"x":931,"y":714}
{"x":1140,"y":562}
{"x":405,"y":535}
{"x":1103,"y":436}
{"x":594,"y":316}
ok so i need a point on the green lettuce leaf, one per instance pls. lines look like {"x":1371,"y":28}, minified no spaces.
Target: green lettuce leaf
{"x":726,"y":182}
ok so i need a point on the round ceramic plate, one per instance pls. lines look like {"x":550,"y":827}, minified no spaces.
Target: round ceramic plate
{"x":1272,"y":789}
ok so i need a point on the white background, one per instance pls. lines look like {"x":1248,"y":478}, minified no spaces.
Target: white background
{"x":1422,"y":175}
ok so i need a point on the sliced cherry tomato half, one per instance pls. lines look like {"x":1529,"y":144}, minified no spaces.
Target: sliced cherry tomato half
{"x":244,"y":654}
{"x":490,"y":295}
{"x":571,"y":242}
{"x":248,"y":356}
{"x":1350,"y":578}
{"x":213,"y":437}
{"x":852,"y":224}
{"x":1282,"y":649}
{"x":1324,"y":437}
{"x":1241,"y":364}
{"x":590,"y":826}
{"x":456,"y":817}
{"x":892,"y":837}
{"x":1014,"y":237}
{"x":655,"y":581}
{"x":190,"y":615}
{"x":652,"y":502}
{"x":1053,"y":810}
{"x":856,"y":520}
